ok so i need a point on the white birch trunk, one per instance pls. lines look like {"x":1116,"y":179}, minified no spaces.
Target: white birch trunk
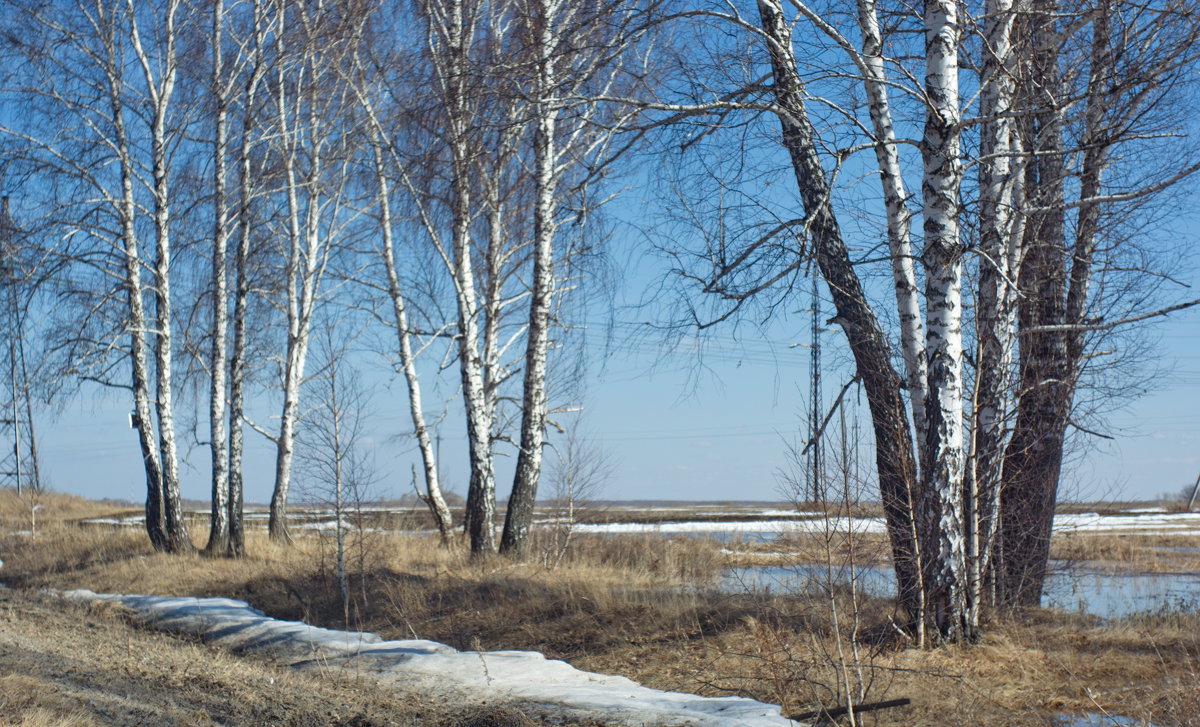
{"x":304,"y":245}
{"x":899,"y":217}
{"x":139,"y":363}
{"x":481,"y":495}
{"x":433,"y":489}
{"x":533,"y":410}
{"x":309,"y":246}
{"x":451,"y":33}
{"x":241,"y":294}
{"x":160,"y":89}
{"x":218,"y":535}
{"x":941,"y":511}
{"x":995,"y":313}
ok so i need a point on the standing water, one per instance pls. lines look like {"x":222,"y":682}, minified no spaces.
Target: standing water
{"x":1105,"y":594}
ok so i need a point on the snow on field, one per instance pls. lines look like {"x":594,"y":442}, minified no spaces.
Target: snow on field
{"x":1145,"y":522}
{"x":1142,"y":520}
{"x":1093,"y":522}
{"x":131,"y":521}
{"x":860,"y":525}
{"x":523,"y":676}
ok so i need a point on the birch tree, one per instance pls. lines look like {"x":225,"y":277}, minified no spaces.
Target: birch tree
{"x":254,"y":73}
{"x":869,"y":345}
{"x":236,"y":40}
{"x":332,"y":459}
{"x":103,"y":76}
{"x":575,"y":55}
{"x":159,"y":71}
{"x":386,"y":162}
{"x":1093,"y":110}
{"x":455,"y":219}
{"x":221,"y":89}
{"x":313,"y":147}
{"x":933,"y":510}
{"x":943,"y":463}
{"x":1000,"y":235}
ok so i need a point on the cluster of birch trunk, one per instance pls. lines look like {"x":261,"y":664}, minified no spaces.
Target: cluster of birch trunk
{"x":217,"y":180}
{"x":216,"y":177}
{"x":1035,"y":256}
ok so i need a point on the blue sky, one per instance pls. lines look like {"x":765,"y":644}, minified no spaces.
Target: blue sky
{"x":674,"y":427}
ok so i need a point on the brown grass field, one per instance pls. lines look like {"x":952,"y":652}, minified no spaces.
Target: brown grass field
{"x":639,"y":606}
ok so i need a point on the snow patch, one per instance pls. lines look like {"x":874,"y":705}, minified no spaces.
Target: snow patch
{"x":413,"y":663}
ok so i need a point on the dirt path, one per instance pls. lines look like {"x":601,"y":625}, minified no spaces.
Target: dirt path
{"x":75,"y":665}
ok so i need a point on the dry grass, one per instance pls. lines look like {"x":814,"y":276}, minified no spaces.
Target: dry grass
{"x":1151,"y":553}
{"x":625,"y":605}
{"x":26,"y":701}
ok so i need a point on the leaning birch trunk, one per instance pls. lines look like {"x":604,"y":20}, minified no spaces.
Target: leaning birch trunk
{"x":160,"y":92}
{"x":433,"y":489}
{"x":940,"y":507}
{"x":277,"y":527}
{"x":1033,"y":456}
{"x":904,"y":279}
{"x":995,"y":299}
{"x":218,"y":534}
{"x":872,"y":354}
{"x":533,"y":409}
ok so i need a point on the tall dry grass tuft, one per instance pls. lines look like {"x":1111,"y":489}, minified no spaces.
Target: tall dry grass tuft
{"x":671,"y":559}
{"x":32,"y":510}
{"x":29,"y":702}
{"x":1152,"y":553}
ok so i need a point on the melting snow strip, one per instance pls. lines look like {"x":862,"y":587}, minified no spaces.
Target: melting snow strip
{"x":525,"y":676}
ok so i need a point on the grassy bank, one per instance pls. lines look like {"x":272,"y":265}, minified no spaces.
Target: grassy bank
{"x":644,"y":607}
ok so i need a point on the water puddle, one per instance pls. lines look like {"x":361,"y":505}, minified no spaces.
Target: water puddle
{"x":1107,"y":595}
{"x":1095,"y":719}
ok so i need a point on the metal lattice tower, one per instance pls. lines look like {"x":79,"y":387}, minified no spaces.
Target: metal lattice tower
{"x":817,"y":490}
{"x":18,"y":446}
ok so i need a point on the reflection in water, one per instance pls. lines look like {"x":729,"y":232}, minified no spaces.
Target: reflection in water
{"x":1102,"y":594}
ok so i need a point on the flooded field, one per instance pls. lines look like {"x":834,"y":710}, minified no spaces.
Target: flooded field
{"x":1149,"y":569}
{"x":1099,"y":593}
